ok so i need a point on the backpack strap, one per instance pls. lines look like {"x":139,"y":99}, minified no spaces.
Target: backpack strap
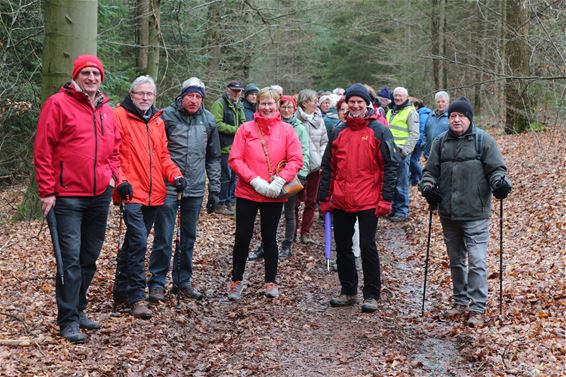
{"x":478,"y":144}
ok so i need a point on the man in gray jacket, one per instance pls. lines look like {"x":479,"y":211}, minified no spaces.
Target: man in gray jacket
{"x":194,"y":146}
{"x":464,"y":168}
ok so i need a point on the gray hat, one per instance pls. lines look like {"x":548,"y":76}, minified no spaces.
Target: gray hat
{"x":250,"y":88}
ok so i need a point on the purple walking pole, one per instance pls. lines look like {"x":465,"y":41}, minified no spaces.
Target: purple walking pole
{"x":327,"y":238}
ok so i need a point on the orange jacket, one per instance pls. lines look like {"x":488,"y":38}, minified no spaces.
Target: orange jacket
{"x":144,"y":157}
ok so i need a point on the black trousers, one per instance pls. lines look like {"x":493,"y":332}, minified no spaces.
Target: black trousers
{"x":343,"y":232}
{"x":246,"y":211}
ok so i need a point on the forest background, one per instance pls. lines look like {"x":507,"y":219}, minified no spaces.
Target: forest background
{"x":508,"y":56}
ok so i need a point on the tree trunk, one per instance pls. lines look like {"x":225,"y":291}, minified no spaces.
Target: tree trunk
{"x":248,"y":51}
{"x":213,"y":38}
{"x":154,"y":38}
{"x":435,"y":39}
{"x":70,"y":30}
{"x":517,"y":57}
{"x":142,"y":34}
{"x":443,"y":33}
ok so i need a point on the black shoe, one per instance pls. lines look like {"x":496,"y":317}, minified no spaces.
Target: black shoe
{"x":73,"y":334}
{"x":189,"y":292}
{"x":285,"y":252}
{"x":257,"y":254}
{"x":85,"y":323}
{"x":156,"y":294}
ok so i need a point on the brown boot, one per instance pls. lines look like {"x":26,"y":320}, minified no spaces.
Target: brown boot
{"x":140,"y":310}
{"x":476,"y":319}
{"x":456,"y":311}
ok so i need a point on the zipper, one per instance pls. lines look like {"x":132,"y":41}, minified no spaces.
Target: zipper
{"x":150,"y":163}
{"x":101,"y":124}
{"x":95,"y":152}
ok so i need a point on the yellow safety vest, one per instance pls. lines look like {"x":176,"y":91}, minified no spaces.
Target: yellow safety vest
{"x":398,"y":124}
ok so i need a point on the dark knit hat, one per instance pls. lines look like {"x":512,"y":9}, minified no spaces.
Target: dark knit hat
{"x":384,"y":92}
{"x":463,"y":106}
{"x":358,"y":90}
{"x":250,"y":88}
{"x":84,"y":61}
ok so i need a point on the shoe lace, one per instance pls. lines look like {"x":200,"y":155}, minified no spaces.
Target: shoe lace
{"x":234,"y":286}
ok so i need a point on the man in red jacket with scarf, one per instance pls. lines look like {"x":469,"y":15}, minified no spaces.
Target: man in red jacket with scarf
{"x":76,"y":158}
{"x":359,"y":170}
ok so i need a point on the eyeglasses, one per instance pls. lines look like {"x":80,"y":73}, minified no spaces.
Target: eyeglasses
{"x":95,"y":73}
{"x":287,"y":107}
{"x":144,"y":94}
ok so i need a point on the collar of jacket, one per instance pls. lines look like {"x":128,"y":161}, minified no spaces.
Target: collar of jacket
{"x":470,"y":131}
{"x":293,"y":121}
{"x":359,"y":123}
{"x":266,"y":123}
{"x":234,"y":105}
{"x":133,"y":110}
{"x":302,"y":116}
{"x":439,"y":114}
{"x":248,"y":105}
{"x":401,"y":106}
{"x":70,"y":88}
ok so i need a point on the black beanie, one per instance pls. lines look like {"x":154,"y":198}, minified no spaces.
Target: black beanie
{"x":463,"y":106}
{"x":358,"y":90}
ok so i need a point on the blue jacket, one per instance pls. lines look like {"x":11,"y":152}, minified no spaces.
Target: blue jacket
{"x":435,"y":125}
{"x":424,"y":112}
{"x":249,"y":110}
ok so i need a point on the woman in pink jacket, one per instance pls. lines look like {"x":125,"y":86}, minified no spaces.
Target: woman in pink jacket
{"x":259,"y":147}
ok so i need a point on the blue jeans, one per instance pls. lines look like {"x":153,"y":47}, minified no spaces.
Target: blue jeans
{"x":227,"y":182}
{"x":130,"y":270}
{"x":160,"y":257}
{"x":415,"y":168}
{"x":401,"y":198}
{"x":466,"y":244}
{"x":81,"y":225}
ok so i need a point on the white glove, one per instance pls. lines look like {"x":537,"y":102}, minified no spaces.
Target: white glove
{"x":275,"y":187}
{"x":260,"y":185}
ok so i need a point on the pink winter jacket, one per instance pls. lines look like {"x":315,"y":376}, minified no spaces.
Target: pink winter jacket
{"x":247,"y":157}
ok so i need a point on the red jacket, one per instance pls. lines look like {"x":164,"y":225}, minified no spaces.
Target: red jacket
{"x":144,"y":158}
{"x":76,"y":148}
{"x":248,"y":160}
{"x":359,"y":167}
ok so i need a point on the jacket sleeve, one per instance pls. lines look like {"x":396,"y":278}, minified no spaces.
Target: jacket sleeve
{"x":170,"y":169}
{"x":213,"y":157}
{"x":327,"y":179}
{"x":217,"y":110}
{"x":304,"y":139}
{"x":124,"y":152}
{"x":391,"y":160}
{"x":236,"y":157}
{"x":431,"y":172}
{"x":413,"y":123}
{"x":493,"y":162}
{"x":46,"y":139}
{"x":294,"y":155}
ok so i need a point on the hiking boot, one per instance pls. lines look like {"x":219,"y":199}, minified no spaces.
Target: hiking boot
{"x":271,"y":290}
{"x":140,"y":310}
{"x":397,"y":218}
{"x":235,"y":289}
{"x":306,"y":238}
{"x":476,"y":319}
{"x":72,"y":333}
{"x":189,"y":292}
{"x":257,"y":254}
{"x":120,"y":305}
{"x":456,"y":311}
{"x":156,"y":294}
{"x":85,"y":323}
{"x":224,"y":210}
{"x":285,"y":252}
{"x":369,"y":305}
{"x":344,"y":300}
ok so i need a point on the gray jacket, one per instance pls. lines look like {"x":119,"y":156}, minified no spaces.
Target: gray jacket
{"x":194,"y":146}
{"x":464,"y":180}
{"x":318,"y":137}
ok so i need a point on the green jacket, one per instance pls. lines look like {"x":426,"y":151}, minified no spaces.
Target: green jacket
{"x":303,"y":136}
{"x":229,"y":116}
{"x":465,"y":177}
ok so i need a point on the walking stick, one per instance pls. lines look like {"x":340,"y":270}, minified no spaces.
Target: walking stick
{"x":501,"y":257}
{"x":327,"y":238}
{"x":177,"y":250}
{"x":426,"y":258}
{"x":119,"y":242}
{"x":52,"y":224}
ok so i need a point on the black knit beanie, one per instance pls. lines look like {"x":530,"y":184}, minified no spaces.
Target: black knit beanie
{"x":358,"y":90}
{"x":463,"y":106}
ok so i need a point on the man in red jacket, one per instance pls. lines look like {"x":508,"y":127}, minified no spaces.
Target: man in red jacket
{"x":145,"y":166}
{"x":359,"y":171}
{"x":76,"y":158}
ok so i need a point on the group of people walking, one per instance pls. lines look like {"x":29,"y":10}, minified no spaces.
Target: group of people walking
{"x":350,"y":150}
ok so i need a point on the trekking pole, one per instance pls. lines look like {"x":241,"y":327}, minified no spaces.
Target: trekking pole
{"x":118,"y":246}
{"x":426,"y":258}
{"x":327,"y":238}
{"x":52,"y":224}
{"x":177,"y":250}
{"x":501,"y":257}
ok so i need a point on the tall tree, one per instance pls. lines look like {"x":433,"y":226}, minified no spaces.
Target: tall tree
{"x":142,"y":34}
{"x":154,"y":28}
{"x":517,"y":58}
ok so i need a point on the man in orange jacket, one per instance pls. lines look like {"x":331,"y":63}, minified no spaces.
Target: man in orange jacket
{"x":145,"y":163}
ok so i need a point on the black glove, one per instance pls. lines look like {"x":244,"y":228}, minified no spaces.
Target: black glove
{"x":501,"y":189}
{"x":432,"y":195}
{"x":180,"y":184}
{"x":125,"y":190}
{"x":212,"y":202}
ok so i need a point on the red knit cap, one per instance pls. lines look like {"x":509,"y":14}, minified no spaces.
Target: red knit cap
{"x":84,"y":61}
{"x":284,"y":99}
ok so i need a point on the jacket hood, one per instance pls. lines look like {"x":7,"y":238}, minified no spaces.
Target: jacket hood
{"x":359,"y":123}
{"x":267,"y":123}
{"x":72,"y":89}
